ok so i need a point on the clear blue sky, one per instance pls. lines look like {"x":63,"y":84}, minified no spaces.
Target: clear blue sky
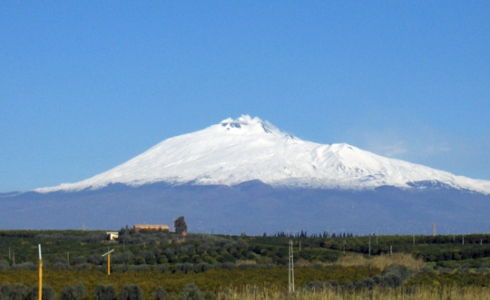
{"x":87,"y":85}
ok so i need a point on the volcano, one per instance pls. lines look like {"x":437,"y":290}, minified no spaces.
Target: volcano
{"x":246,"y":175}
{"x":245,"y":149}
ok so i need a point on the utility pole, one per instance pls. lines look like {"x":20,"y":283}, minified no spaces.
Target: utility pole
{"x":370,"y":246}
{"x":434,"y":229}
{"x":108,"y":261}
{"x":462,"y":241}
{"x":391,"y":249}
{"x":291,"y":267}
{"x":40,"y":288}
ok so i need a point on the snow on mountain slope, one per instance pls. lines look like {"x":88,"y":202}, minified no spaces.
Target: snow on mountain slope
{"x":245,"y":149}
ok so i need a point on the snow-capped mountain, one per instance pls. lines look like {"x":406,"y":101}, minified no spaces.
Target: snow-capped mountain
{"x":245,"y":149}
{"x":246,"y":175}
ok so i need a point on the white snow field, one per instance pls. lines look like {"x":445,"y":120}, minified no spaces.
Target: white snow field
{"x":244,"y":149}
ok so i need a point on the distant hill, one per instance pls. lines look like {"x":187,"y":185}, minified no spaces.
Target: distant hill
{"x":252,"y":207}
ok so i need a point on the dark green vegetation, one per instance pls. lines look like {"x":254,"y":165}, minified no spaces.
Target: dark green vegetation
{"x":180,"y":225}
{"x":437,"y":248}
{"x":158,"y":264}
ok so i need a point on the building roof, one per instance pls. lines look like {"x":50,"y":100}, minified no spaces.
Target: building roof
{"x":151,"y":225}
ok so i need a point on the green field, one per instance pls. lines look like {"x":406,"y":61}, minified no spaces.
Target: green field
{"x":241,"y":266}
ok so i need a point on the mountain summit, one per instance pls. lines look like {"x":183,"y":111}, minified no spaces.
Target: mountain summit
{"x":246,"y":149}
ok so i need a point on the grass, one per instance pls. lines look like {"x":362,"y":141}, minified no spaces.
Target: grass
{"x":381,"y":262}
{"x":418,"y":293}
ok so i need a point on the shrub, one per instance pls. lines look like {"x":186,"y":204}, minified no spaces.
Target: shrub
{"x":209,"y":259}
{"x":160,"y":294}
{"x":25,"y":266}
{"x":242,"y":262}
{"x":95,"y":259}
{"x":391,"y":280}
{"x":131,"y":292}
{"x":196,"y":258}
{"x":73,"y":292}
{"x":105,"y":292}
{"x":191,"y":292}
{"x":139,"y":260}
{"x":14,"y":292}
{"x":426,"y":269}
{"x":4,"y":265}
{"x":394,"y":276}
{"x":202,"y":267}
{"x":464,"y":268}
{"x":264,"y":261}
{"x":317,"y":265}
{"x":85,"y":266}
{"x":162,"y":268}
{"x":226,"y":265}
{"x":78,"y":260}
{"x":443,"y":269}
{"x":317,"y":286}
{"x":244,"y":267}
{"x":142,"y":268}
{"x":162,"y":259}
{"x":268,"y":266}
{"x":348,"y":285}
{"x":120,"y":268}
{"x":60,"y":260}
{"x":48,"y":293}
{"x":334,"y":284}
{"x":172,"y":258}
{"x":377,"y":279}
{"x":365,"y":283}
{"x":123,"y":258}
{"x":400,"y":270}
{"x":4,"y":291}
{"x":156,"y":251}
{"x":186,"y":267}
{"x":60,"y":266}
